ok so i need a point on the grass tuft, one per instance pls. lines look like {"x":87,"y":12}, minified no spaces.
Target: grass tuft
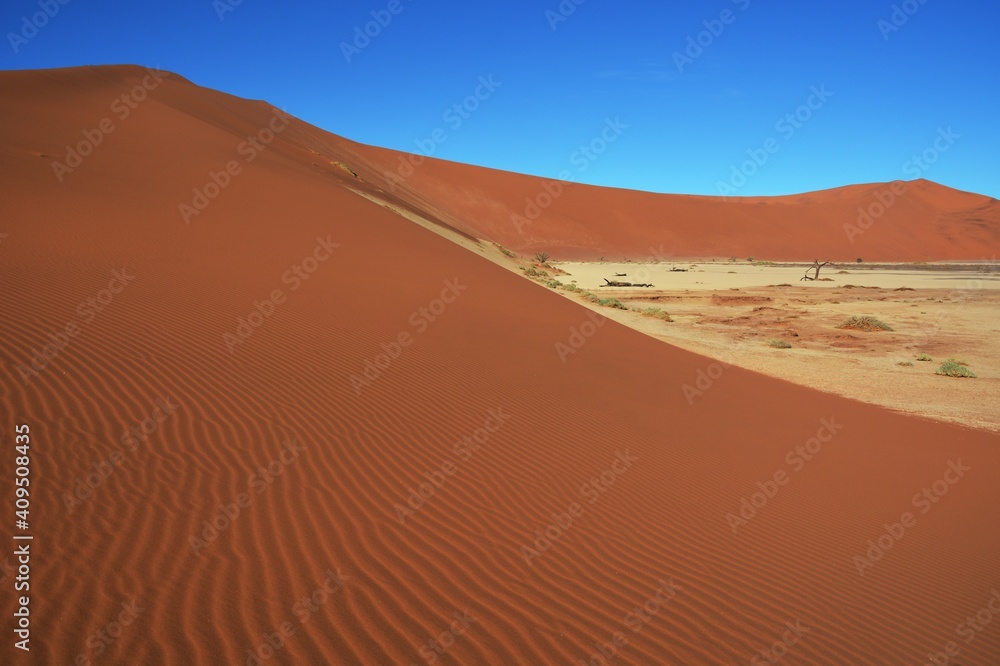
{"x":657,"y":313}
{"x":953,"y":368}
{"x":611,"y":303}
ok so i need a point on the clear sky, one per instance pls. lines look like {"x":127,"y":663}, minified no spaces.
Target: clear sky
{"x":886,"y":83}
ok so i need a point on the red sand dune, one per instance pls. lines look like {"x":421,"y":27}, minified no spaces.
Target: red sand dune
{"x":312,"y":555}
{"x":912,"y":221}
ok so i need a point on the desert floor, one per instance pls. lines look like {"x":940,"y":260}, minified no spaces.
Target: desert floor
{"x":730,"y":311}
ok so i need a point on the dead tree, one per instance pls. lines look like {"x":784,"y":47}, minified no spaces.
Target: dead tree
{"x":616,"y":283}
{"x":816,"y":265}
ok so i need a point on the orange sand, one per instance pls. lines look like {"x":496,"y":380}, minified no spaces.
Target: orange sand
{"x":615,"y":410}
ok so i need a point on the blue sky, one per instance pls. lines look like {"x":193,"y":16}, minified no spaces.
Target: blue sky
{"x":923,"y":82}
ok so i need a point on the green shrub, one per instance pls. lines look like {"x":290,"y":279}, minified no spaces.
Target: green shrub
{"x":906,"y":364}
{"x":779,"y":344}
{"x":953,"y":368}
{"x":924,"y":357}
{"x":611,"y":303}
{"x":657,"y":313}
{"x":866,"y":323}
